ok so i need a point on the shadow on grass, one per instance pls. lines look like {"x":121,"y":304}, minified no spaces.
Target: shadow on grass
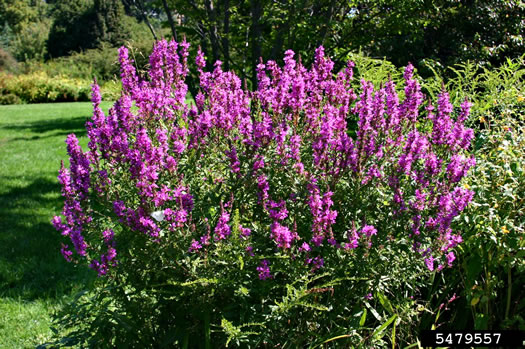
{"x":31,"y":266}
{"x":51,"y":128}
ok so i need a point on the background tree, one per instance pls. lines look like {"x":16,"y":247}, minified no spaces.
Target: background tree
{"x":25,"y":25}
{"x":109,"y":22}
{"x":142,"y":10}
{"x":239,"y":33}
{"x":80,"y":25}
{"x":445,"y":30}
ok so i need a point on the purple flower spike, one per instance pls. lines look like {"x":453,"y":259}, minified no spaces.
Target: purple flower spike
{"x":322,"y":166}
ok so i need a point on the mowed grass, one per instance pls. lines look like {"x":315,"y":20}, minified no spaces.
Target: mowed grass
{"x":35,"y":280}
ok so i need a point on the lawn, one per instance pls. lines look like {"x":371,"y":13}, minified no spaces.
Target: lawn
{"x":34,"y":278}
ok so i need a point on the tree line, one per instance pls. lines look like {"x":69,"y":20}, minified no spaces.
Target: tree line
{"x":240,"y":32}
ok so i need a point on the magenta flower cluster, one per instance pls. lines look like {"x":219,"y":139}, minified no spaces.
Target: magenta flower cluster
{"x":286,"y":151}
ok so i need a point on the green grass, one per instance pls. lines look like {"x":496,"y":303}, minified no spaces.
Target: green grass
{"x":34,"y":278}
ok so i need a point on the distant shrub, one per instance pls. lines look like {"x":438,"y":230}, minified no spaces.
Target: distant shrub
{"x":42,"y":88}
{"x":10,"y":99}
{"x":101,"y":62}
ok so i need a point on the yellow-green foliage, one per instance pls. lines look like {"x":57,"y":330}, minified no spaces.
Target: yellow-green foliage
{"x":39,"y":87}
{"x":494,"y":92}
{"x":494,"y":250}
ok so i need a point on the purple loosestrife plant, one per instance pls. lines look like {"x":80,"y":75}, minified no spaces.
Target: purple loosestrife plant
{"x":263,"y":187}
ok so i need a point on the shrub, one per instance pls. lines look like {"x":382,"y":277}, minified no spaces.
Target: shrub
{"x":10,"y":99}
{"x":278,"y":217}
{"x":100,"y":62}
{"x":42,"y":88}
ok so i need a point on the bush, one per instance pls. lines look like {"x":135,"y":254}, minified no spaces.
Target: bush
{"x":10,"y":99}
{"x":42,"y":88}
{"x":282,"y":217}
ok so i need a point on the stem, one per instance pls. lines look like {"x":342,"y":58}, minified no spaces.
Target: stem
{"x":509,"y":292}
{"x":465,"y":284}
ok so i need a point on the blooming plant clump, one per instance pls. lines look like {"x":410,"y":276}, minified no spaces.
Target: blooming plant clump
{"x":246,"y":192}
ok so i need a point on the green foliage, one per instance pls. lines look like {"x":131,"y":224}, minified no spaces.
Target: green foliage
{"x":71,"y":27}
{"x":20,"y":13}
{"x":302,"y":311}
{"x":109,"y":25}
{"x":491,"y":271}
{"x":376,"y":70}
{"x":497,"y":227}
{"x":446,"y":30}
{"x":7,"y":61}
{"x":25,"y":27}
{"x":99,"y":63}
{"x":30,"y":43}
{"x":39,"y":87}
{"x":494,"y":92}
{"x":80,"y":25}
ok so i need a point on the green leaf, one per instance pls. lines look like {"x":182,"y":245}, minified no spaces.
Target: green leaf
{"x":363,"y":318}
{"x":474,"y":301}
{"x":374,"y":312}
{"x":381,"y":328}
{"x":394,"y":335}
{"x":241,"y":262}
{"x":336,"y":338}
{"x":385,"y":302}
{"x":474,"y":268}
